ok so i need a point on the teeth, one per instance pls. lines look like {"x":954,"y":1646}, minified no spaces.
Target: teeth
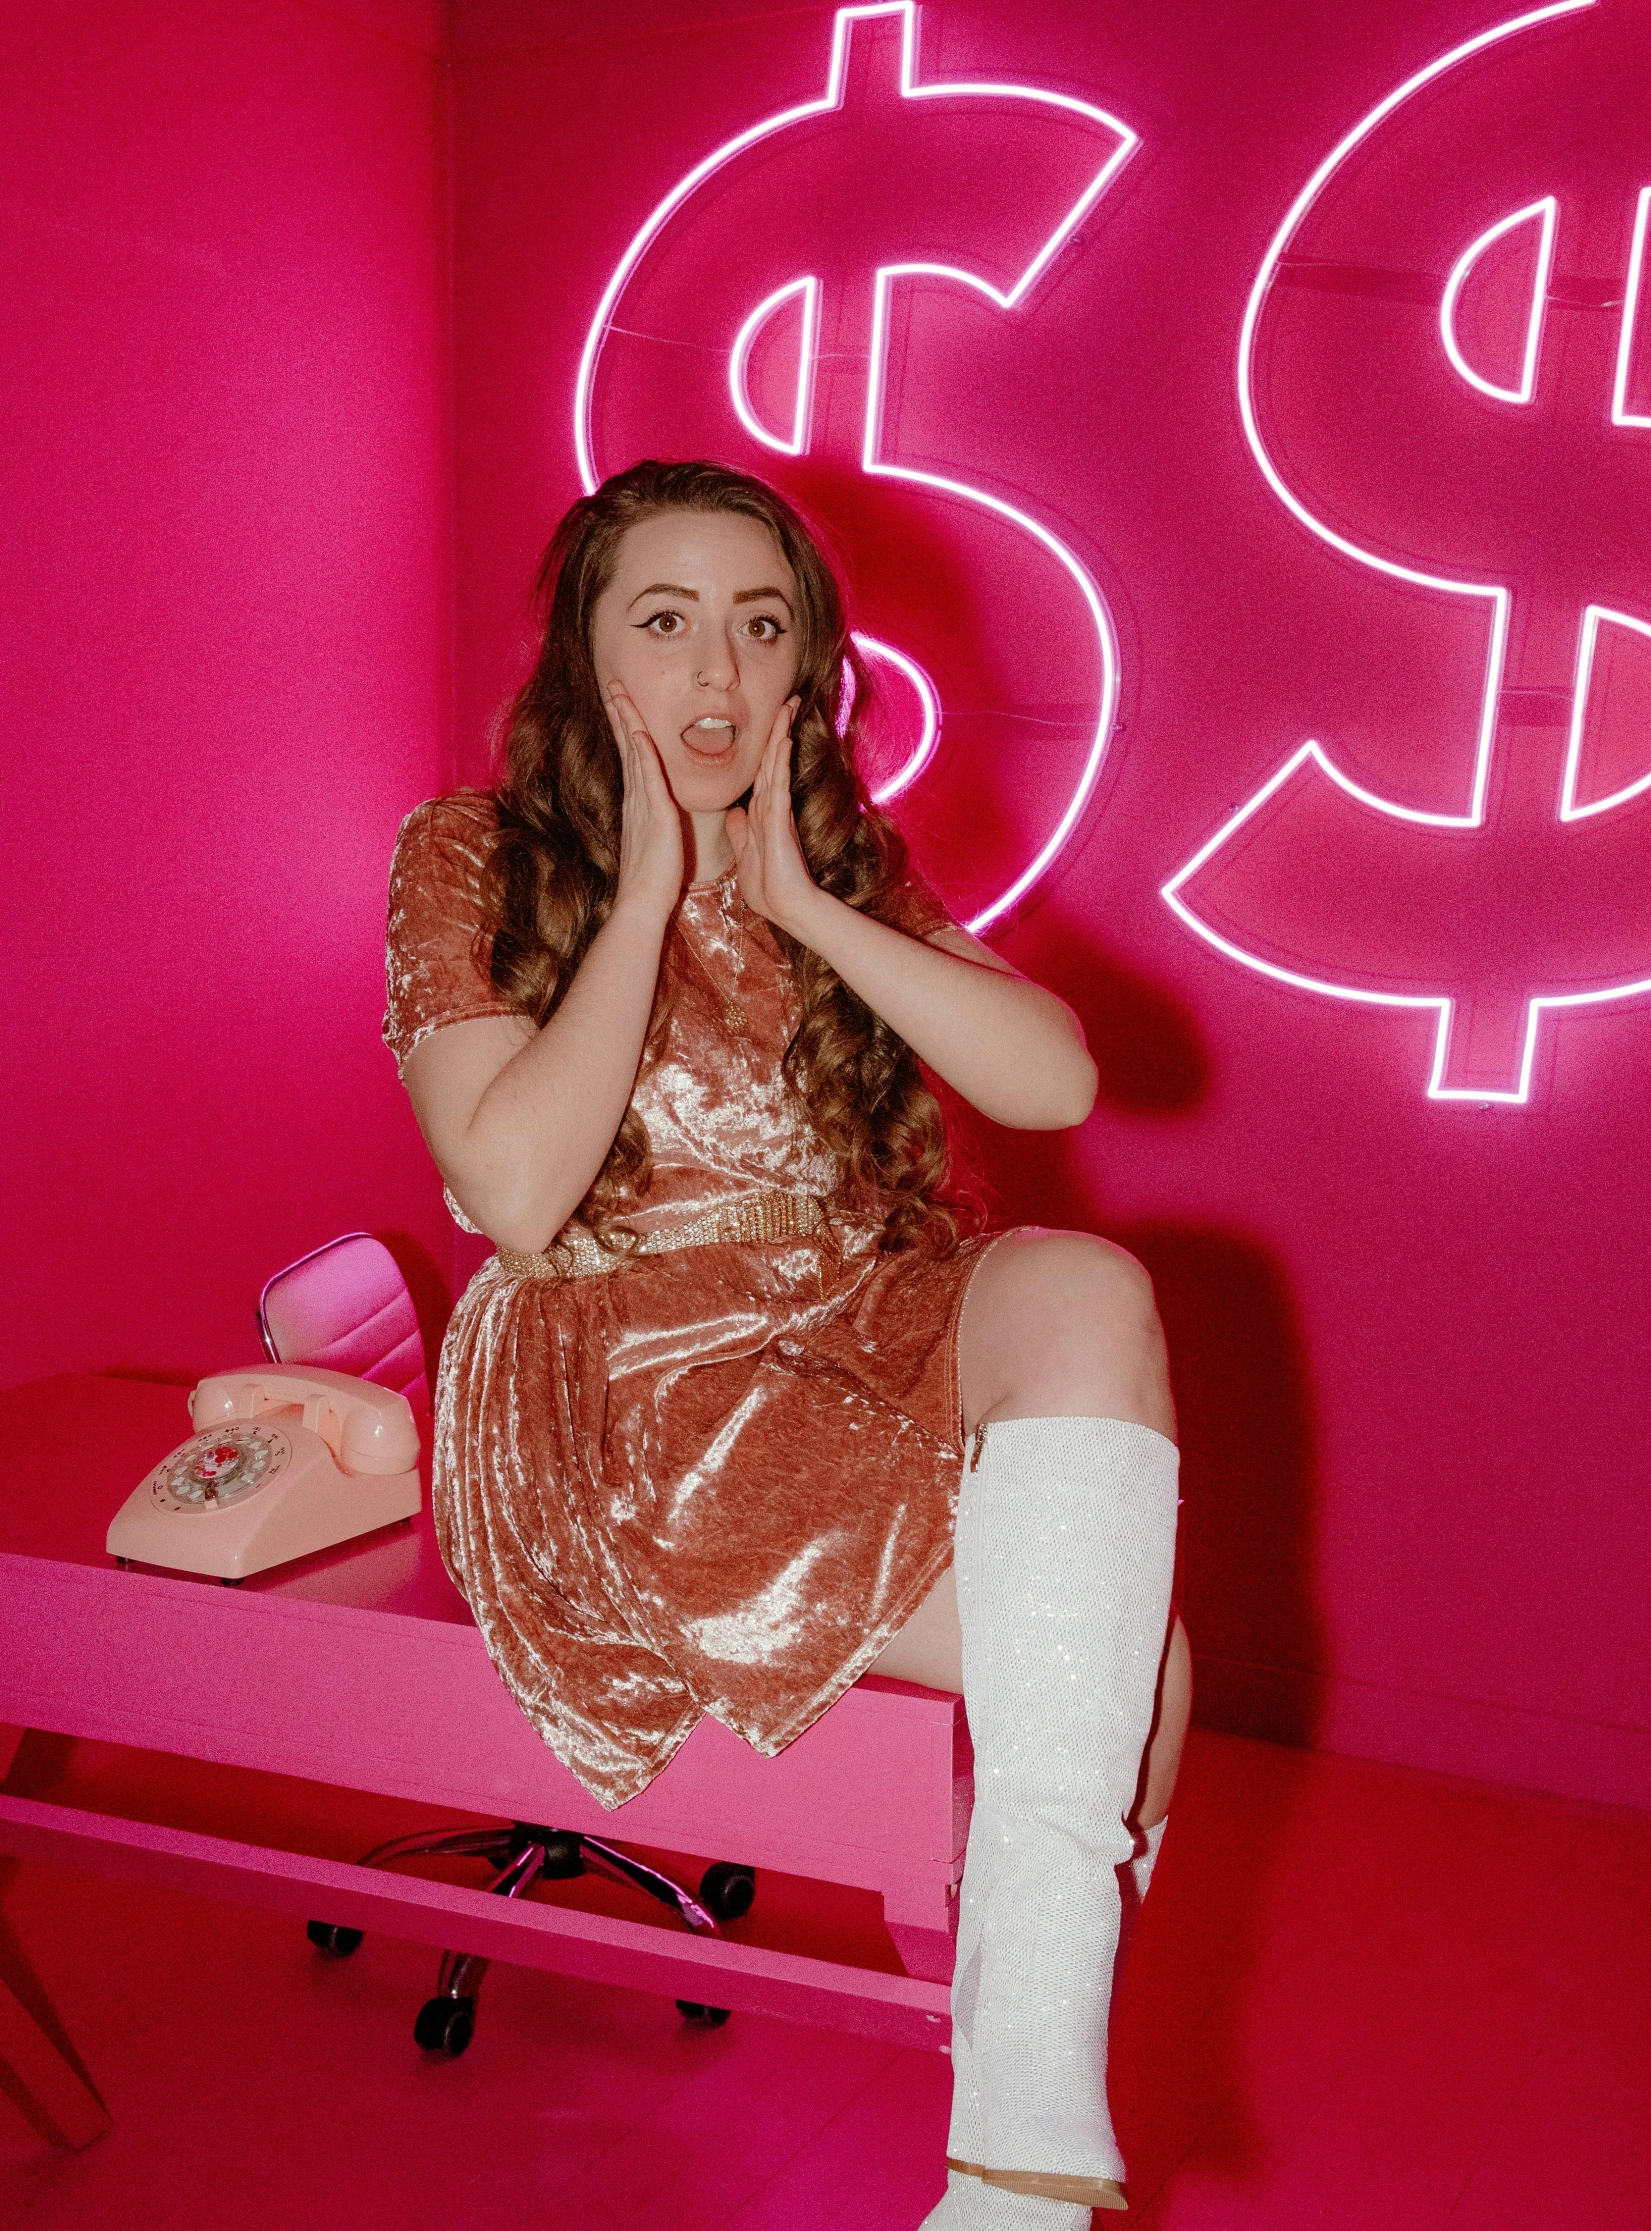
{"x":709,"y":723}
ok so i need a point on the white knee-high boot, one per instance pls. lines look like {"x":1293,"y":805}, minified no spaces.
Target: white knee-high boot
{"x":1064,"y":1556}
{"x":971,"y":2205}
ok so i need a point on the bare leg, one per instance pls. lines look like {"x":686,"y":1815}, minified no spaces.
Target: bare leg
{"x":1063,"y":1325}
{"x":1059,"y":1324}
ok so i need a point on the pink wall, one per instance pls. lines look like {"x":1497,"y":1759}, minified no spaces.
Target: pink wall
{"x":1409,"y":1333}
{"x":226,"y":667}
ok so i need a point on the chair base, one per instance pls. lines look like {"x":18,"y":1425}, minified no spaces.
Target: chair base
{"x":524,"y":1853}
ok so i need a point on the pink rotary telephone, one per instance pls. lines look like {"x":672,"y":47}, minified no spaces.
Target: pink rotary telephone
{"x":285,"y":1459}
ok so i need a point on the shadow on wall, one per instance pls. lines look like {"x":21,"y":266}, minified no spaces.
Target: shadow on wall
{"x":1144,"y":1041}
{"x":431,"y":1284}
{"x":1248,"y":1481}
{"x":1249,"y":1462}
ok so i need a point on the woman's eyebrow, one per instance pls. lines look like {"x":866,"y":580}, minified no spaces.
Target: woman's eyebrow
{"x":675,"y":588}
{"x":663,"y":588}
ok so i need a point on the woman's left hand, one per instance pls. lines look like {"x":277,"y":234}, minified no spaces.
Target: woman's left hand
{"x":773,"y":875}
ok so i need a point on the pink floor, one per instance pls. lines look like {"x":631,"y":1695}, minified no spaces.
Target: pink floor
{"x":1361,"y":1996}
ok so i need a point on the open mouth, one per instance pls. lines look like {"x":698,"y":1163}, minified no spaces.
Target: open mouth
{"x":710,"y":741}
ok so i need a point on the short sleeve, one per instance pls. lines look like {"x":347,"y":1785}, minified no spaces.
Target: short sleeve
{"x":430,"y":968}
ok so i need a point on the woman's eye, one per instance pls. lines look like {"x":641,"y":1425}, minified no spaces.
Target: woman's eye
{"x":665,"y":623}
{"x":766,"y":620}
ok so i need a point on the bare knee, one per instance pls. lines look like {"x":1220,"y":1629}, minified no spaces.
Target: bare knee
{"x":1102,"y":1282}
{"x":1064,"y":1323}
{"x":1054,"y":1275}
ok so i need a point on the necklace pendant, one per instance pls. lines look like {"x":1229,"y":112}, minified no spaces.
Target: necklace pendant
{"x":734,"y":1018}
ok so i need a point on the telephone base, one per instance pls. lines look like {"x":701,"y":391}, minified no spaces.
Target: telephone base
{"x":292,"y":1517}
{"x":285,"y":1459}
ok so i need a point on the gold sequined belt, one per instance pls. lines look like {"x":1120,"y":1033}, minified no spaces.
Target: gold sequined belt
{"x":758,"y":1216}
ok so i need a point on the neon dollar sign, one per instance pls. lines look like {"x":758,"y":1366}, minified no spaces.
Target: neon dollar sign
{"x":808,"y":301}
{"x":1444,"y":375}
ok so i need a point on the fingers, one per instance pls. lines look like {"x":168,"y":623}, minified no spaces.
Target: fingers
{"x":616,"y":705}
{"x":627,"y":723}
{"x":618,"y":701}
{"x":773,"y":794}
{"x":773,"y":781}
{"x":776,"y":757}
{"x":638,"y":753}
{"x":772,"y":871}
{"x":629,"y":772}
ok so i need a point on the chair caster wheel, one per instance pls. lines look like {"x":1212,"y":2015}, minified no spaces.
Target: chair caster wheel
{"x":728,"y":1891}
{"x":328,"y":1936}
{"x":445,"y":2026}
{"x":703,"y":2017}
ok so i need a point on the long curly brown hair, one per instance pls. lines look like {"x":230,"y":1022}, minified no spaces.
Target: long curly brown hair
{"x":554,"y":869}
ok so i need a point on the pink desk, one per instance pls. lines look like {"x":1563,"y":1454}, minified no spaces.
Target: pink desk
{"x":361,"y":1667}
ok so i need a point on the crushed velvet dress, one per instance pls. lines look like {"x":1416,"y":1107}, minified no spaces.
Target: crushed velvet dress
{"x":712,"y":1479}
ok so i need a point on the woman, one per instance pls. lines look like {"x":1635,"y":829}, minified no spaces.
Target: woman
{"x":659,"y":1002}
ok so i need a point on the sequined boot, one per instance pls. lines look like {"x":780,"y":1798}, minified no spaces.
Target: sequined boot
{"x":971,"y":2205}
{"x":1065,"y":1548}
{"x":968,"y":2202}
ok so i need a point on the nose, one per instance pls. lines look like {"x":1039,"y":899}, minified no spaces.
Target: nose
{"x":718,"y":669}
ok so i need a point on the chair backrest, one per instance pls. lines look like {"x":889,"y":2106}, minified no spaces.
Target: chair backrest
{"x":346,"y":1305}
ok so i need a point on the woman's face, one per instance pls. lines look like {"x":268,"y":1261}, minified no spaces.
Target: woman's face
{"x":698,"y":625}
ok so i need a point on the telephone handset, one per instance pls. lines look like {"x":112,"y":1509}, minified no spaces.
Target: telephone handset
{"x":285,"y":1459}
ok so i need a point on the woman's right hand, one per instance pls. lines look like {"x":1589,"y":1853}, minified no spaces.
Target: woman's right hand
{"x":652,"y":863}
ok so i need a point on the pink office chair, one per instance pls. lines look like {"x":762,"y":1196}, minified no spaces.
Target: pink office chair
{"x":346,"y":1305}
